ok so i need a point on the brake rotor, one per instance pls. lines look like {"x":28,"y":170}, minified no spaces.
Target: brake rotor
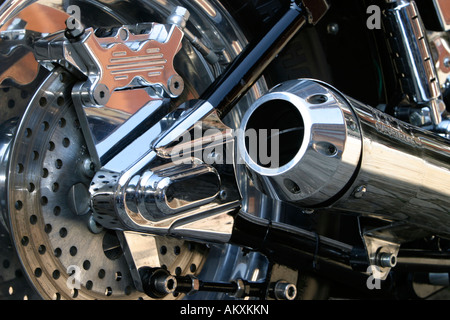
{"x":65,"y":257}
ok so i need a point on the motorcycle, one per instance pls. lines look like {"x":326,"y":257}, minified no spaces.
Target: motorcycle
{"x":224,"y":150}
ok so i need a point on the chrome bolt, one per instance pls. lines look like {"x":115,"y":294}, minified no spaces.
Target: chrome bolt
{"x":101,"y":94}
{"x":240,"y":290}
{"x":123,"y":34}
{"x":447,"y":62}
{"x":386,"y":260}
{"x":352,"y":125}
{"x":359,"y":192}
{"x":333,"y":29}
{"x":88,"y":168}
{"x":223,"y":195}
{"x":176,"y":85}
{"x":179,"y":17}
{"x":214,"y":158}
{"x":285,"y":291}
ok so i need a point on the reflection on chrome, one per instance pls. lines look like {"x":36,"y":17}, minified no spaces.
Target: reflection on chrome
{"x":344,"y":145}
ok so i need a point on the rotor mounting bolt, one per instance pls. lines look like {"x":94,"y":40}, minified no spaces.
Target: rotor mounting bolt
{"x":88,"y":168}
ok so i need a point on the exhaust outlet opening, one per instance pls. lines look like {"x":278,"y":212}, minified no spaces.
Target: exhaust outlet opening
{"x":319,"y":151}
{"x":274,"y":133}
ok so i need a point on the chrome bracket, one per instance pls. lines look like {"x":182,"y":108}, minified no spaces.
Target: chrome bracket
{"x":140,"y":251}
{"x":382,"y":247}
{"x":382,"y":256}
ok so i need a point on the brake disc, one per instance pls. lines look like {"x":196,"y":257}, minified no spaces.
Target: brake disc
{"x":15,"y":97}
{"x":57,"y":247}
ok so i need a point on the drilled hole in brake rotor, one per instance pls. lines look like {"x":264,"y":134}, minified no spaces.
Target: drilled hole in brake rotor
{"x":111,"y":245}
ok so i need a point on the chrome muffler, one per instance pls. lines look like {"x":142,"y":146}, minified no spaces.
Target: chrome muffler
{"x":337,"y":153}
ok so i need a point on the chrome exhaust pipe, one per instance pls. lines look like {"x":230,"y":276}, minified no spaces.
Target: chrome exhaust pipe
{"x":340,"y":154}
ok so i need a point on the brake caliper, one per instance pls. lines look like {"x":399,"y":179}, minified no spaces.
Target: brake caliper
{"x":123,"y":58}
{"x":122,"y":72}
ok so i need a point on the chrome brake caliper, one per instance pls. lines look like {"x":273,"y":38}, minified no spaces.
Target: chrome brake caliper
{"x":139,"y":56}
{"x":111,"y":62}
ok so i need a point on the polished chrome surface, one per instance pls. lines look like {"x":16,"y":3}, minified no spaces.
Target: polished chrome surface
{"x":399,"y":172}
{"x":135,"y":198}
{"x":319,"y":143}
{"x":179,"y":17}
{"x":134,"y":158}
{"x":404,"y":170}
{"x":133,"y":56}
{"x":170,"y":199}
{"x":412,"y":48}
{"x":88,"y":56}
{"x":170,"y":189}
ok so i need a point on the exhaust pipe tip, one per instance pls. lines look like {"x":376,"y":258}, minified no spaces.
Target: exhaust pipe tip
{"x":300,"y":143}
